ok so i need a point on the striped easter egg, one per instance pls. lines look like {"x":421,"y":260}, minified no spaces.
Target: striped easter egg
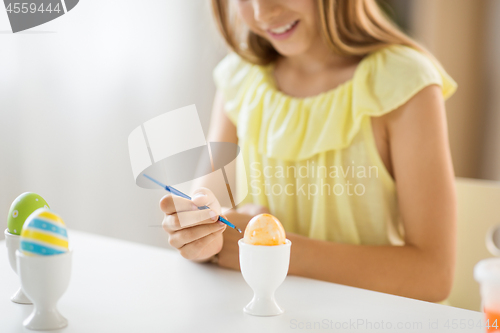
{"x":44,"y":233}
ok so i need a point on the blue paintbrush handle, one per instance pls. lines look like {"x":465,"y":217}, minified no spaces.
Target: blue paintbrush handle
{"x":177,"y":192}
{"x":222,"y":219}
{"x":180,"y":194}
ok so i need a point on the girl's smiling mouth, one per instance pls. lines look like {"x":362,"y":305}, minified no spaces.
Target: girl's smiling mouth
{"x":284,"y":31}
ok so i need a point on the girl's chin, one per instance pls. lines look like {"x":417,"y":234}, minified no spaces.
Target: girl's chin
{"x":290,"y":50}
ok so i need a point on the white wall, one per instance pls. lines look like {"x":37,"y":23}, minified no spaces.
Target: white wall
{"x":72,"y":90}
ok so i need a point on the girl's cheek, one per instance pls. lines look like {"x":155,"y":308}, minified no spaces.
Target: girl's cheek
{"x":246,"y":13}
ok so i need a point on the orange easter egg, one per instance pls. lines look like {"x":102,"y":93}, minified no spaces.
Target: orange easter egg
{"x":264,"y":229}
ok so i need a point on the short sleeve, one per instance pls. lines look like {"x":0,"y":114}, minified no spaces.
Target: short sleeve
{"x":392,"y":76}
{"x":231,"y":77}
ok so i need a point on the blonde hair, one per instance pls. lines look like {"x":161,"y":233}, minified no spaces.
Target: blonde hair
{"x":349,"y":27}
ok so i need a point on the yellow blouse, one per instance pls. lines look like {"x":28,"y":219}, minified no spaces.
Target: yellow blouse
{"x":313,"y":161}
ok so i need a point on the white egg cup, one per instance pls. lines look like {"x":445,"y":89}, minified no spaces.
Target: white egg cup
{"x":12,"y":242}
{"x":264,"y":268}
{"x":44,"y":280}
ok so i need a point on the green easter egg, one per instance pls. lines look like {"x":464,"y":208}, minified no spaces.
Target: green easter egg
{"x":21,"y":208}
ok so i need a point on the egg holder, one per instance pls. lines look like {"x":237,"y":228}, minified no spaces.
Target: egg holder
{"x":44,"y":279}
{"x":12,"y":242}
{"x":487,"y":272}
{"x":264,"y":269}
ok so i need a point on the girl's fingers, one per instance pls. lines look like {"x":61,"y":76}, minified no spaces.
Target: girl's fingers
{"x":185,"y":219}
{"x":204,"y":197}
{"x":185,"y":236}
{"x":196,"y":217}
{"x":171,"y":204}
{"x":193,"y":250}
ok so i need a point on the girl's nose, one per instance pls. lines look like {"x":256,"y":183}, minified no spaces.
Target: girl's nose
{"x":265,"y":10}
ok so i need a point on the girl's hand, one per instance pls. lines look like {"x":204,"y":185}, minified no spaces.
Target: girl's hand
{"x":195,"y":233}
{"x":229,"y":255}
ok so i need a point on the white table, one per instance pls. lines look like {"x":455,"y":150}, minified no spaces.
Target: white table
{"x":120,"y":286}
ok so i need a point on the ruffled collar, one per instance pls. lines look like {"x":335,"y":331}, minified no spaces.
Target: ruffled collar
{"x":271,"y":84}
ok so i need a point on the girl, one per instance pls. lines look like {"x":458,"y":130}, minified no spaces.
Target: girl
{"x":341,"y":122}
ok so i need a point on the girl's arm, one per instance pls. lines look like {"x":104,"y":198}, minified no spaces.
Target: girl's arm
{"x":221,"y":129}
{"x":423,"y":268}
